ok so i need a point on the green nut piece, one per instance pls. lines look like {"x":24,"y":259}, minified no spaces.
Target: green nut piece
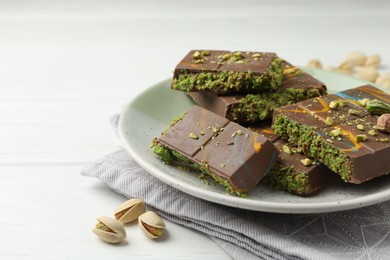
{"x":329,"y":121}
{"x":363,"y":102}
{"x":226,"y":56}
{"x":354,"y":112}
{"x":360,"y":127}
{"x":205,"y":53}
{"x":335,"y":132}
{"x":377,"y":107}
{"x":361,"y":138}
{"x":196,"y":55}
{"x":306,"y":162}
{"x":333,"y":104}
{"x":372,"y":132}
{"x":193,"y":136}
{"x":287,"y":149}
{"x":384,"y":140}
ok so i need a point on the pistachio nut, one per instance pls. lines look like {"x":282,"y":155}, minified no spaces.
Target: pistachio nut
{"x":151,"y":224}
{"x":357,"y":57}
{"x":383,"y":123}
{"x":110,"y":230}
{"x":129,"y":210}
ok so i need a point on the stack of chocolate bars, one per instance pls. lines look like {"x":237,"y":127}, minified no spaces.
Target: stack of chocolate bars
{"x":229,"y":138}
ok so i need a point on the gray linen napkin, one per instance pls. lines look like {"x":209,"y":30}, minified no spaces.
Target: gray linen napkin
{"x":243,"y":234}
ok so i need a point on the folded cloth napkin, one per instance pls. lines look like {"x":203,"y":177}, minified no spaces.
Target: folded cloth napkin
{"x":243,"y":234}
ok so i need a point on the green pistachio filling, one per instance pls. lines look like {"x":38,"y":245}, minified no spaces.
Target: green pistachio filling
{"x":254,"y":108}
{"x":171,"y":157}
{"x":288,"y":178}
{"x":313,"y":145}
{"x":228,"y":82}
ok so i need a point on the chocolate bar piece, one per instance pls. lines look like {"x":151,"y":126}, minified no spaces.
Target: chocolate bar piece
{"x":339,"y":132}
{"x":232,"y":155}
{"x":252,"y":108}
{"x":224,"y":72}
{"x":289,"y":173}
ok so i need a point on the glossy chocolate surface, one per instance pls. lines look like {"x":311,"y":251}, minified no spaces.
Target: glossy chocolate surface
{"x":370,"y":158}
{"x":232,"y":152}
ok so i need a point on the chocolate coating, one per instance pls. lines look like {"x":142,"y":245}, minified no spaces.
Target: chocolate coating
{"x":293,"y":78}
{"x":232,"y":152}
{"x":318,"y":175}
{"x":214,"y":63}
{"x":364,"y":159}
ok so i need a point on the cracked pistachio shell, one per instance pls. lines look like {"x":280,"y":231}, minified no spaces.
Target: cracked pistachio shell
{"x":129,"y":210}
{"x":151,"y":224}
{"x":110,"y":230}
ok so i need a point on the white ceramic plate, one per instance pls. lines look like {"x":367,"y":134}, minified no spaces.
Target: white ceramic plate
{"x":148,"y":115}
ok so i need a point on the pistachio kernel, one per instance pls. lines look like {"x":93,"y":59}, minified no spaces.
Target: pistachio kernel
{"x":205,"y":53}
{"x":256,"y":55}
{"x":286,"y":149}
{"x":335,"y":132}
{"x":361,"y":138}
{"x":360,"y":127}
{"x":194,"y":136}
{"x":329,"y":121}
{"x":306,"y":162}
{"x":199,"y":61}
{"x":354,"y":112}
{"x":363,"y":102}
{"x":333,"y":104}
{"x":226,"y":56}
{"x":384,"y":140}
{"x":196,"y":55}
{"x":372,"y":132}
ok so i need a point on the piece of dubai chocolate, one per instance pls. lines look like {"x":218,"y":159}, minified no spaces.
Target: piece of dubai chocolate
{"x":339,"y":131}
{"x":289,"y":173}
{"x":252,"y":108}
{"x":232,"y":155}
{"x":225,"y":72}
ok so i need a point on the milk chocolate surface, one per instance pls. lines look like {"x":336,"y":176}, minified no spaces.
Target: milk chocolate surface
{"x":289,"y":174}
{"x":225,"y":72}
{"x":335,"y":136}
{"x":217,"y":146}
{"x":254,"y":108}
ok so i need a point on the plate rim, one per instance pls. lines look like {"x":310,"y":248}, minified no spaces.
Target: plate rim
{"x":236,"y":202}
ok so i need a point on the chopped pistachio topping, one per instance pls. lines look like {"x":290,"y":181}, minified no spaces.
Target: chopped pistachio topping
{"x":196,"y":55}
{"x":226,"y":56}
{"x":361,"y":138}
{"x":372,"y":132}
{"x":377,"y":107}
{"x":329,"y":141}
{"x":333,"y":104}
{"x":363,"y":102}
{"x":222,"y":165}
{"x":199,"y":61}
{"x":201,"y":132}
{"x":256,"y":55}
{"x":287,"y":149}
{"x":239,"y":132}
{"x":329,"y":121}
{"x":306,"y":162}
{"x":384,"y":140}
{"x":360,"y":127}
{"x":230,"y":143}
{"x":205,"y":53}
{"x":335,"y":132}
{"x":194,"y":136}
{"x":354,"y":112}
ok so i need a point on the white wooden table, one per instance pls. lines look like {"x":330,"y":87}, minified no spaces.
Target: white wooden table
{"x":66,"y":66}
